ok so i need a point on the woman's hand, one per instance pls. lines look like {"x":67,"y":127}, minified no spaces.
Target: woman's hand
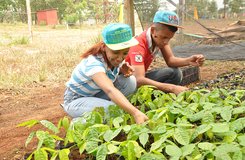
{"x":126,"y":69}
{"x":140,"y":117}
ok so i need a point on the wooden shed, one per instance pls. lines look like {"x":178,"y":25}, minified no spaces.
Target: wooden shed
{"x":47,"y":17}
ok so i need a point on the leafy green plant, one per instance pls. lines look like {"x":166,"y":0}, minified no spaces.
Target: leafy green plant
{"x":198,"y":124}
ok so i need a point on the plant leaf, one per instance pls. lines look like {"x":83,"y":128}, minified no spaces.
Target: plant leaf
{"x":238,"y":110}
{"x":173,"y":151}
{"x":29,"y":138}
{"x":206,"y":146}
{"x":50,"y":126}
{"x":127,"y":128}
{"x":40,"y":154}
{"x":65,"y":123}
{"x":207,"y":118}
{"x":181,"y":136}
{"x":109,"y":134}
{"x":29,"y":123}
{"x":64,"y":154}
{"x":226,"y":113}
{"x":199,"y":130}
{"x":220,"y":127}
{"x":197,"y":116}
{"x":101,"y":152}
{"x":227,"y":148}
{"x":230,"y":136}
{"x":157,"y":144}
{"x":81,"y":146}
{"x":237,"y":156}
{"x":152,"y":156}
{"x":143,"y":138}
{"x":187,"y":149}
{"x":112,"y":149}
{"x":241,"y":140}
{"x":54,"y":155}
{"x":237,"y":125}
{"x":117,"y":121}
{"x":91,"y":146}
{"x":208,"y":105}
{"x":128,"y":151}
{"x":30,"y":156}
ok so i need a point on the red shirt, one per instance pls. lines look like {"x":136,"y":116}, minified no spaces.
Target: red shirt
{"x":141,"y":53}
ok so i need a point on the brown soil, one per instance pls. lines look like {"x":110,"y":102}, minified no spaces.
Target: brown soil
{"x":16,"y":106}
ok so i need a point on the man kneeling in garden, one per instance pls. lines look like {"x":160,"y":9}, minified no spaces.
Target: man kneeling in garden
{"x":156,"y":40}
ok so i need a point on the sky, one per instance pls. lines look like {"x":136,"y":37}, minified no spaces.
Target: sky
{"x":219,"y":4}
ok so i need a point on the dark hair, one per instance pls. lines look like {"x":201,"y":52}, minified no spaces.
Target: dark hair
{"x":158,"y":26}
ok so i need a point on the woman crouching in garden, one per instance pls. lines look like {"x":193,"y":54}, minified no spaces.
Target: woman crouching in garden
{"x":96,"y":80}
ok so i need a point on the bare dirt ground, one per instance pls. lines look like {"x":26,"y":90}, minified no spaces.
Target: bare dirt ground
{"x":41,"y":101}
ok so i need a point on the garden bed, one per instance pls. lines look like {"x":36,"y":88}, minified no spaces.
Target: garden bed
{"x":196,"y":124}
{"x":229,"y":80}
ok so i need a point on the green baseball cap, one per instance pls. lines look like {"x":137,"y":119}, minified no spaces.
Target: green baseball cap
{"x":118,"y":36}
{"x":167,"y":17}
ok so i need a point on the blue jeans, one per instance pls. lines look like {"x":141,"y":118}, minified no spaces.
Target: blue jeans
{"x":166,"y":75}
{"x":75,"y":105}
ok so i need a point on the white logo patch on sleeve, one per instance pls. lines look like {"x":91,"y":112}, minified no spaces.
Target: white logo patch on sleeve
{"x":138,"y":58}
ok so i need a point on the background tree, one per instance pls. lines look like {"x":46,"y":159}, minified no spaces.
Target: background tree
{"x":5,"y":6}
{"x":212,"y":9}
{"x":95,"y":9}
{"x":191,"y":4}
{"x":61,"y":6}
{"x":75,"y":11}
{"x":146,"y":10}
{"x":236,"y":6}
{"x":202,"y":8}
{"x":103,"y":10}
{"x":225,"y":2}
{"x":205,"y":8}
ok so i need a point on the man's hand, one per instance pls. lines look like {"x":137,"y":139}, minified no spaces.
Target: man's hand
{"x":197,"y":60}
{"x":178,"y":89}
{"x":140,"y":117}
{"x":126,"y":70}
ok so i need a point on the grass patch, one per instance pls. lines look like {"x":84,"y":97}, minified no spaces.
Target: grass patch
{"x":20,"y":41}
{"x":51,"y":56}
{"x":19,"y":68}
{"x":8,"y":40}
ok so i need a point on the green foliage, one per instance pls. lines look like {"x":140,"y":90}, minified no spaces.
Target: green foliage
{"x":197,"y":125}
{"x":236,"y":6}
{"x":213,"y":9}
{"x":71,"y":19}
{"x":68,"y":10}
